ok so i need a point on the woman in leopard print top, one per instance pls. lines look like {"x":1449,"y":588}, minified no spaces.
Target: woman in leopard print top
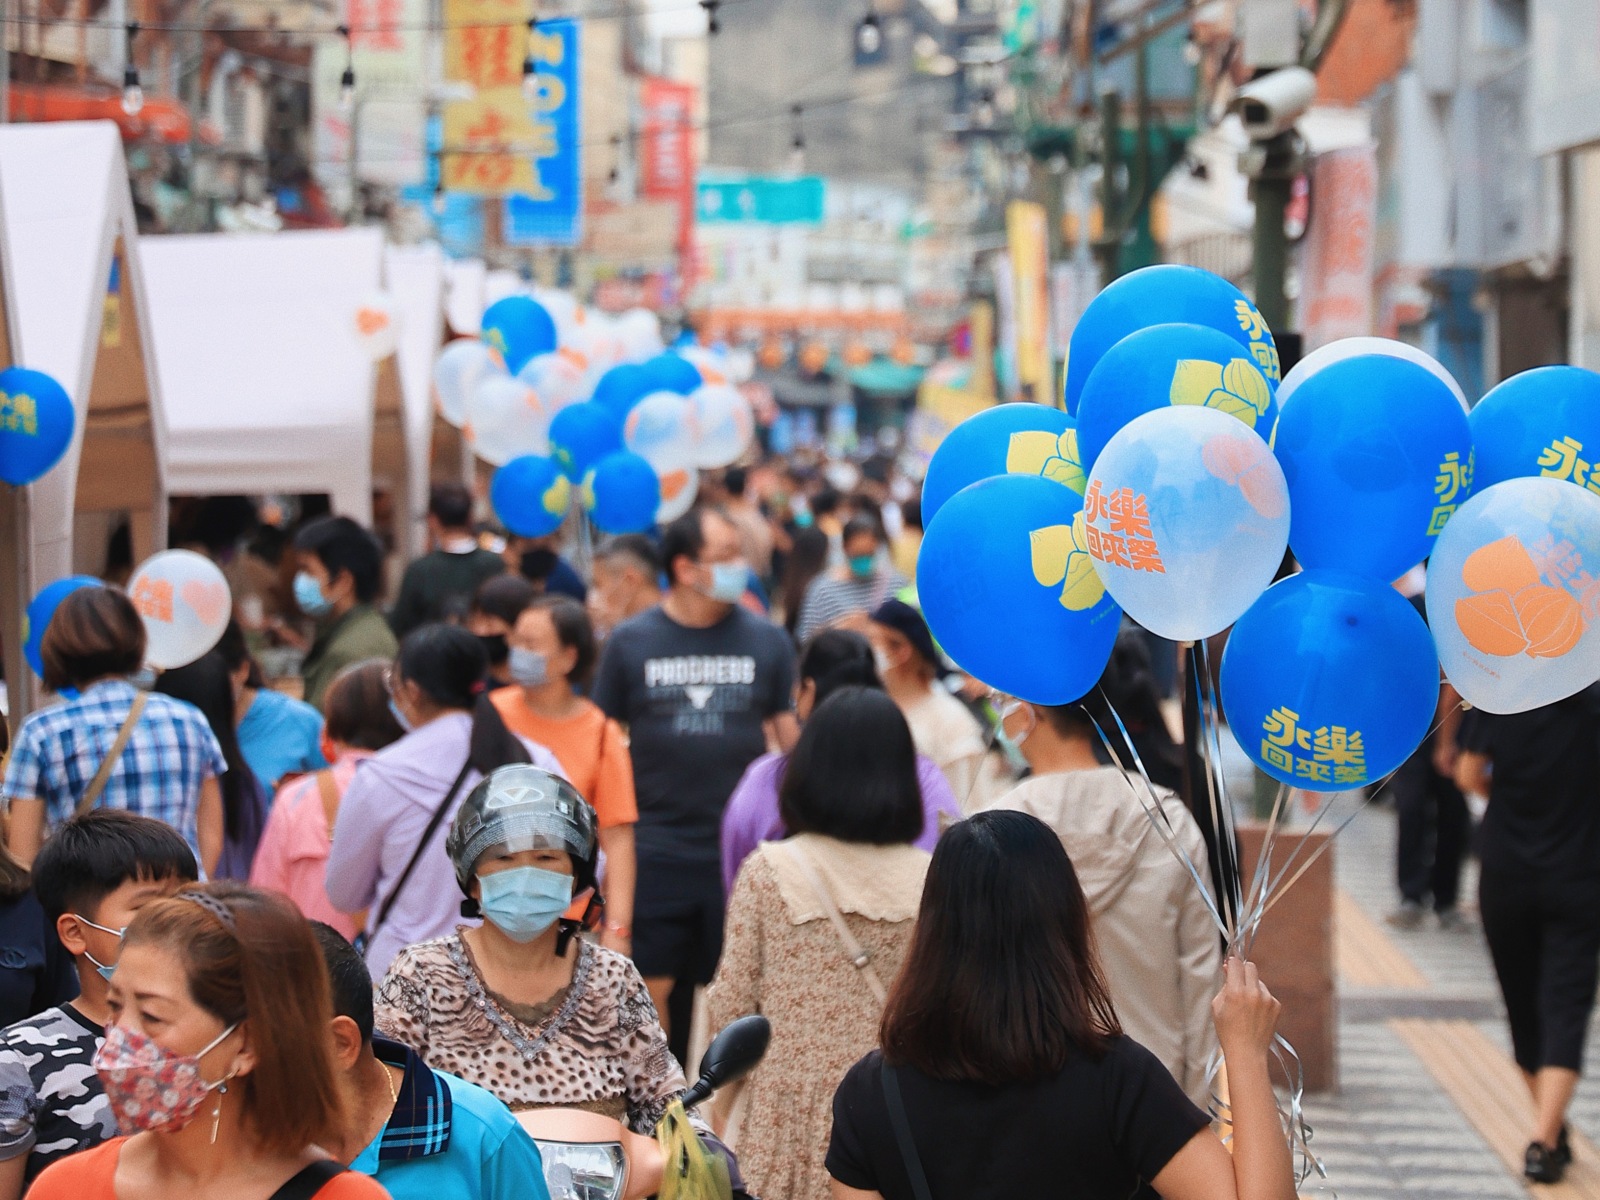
{"x":594,"y":1044}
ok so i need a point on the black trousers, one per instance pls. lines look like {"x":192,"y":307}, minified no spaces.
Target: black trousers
{"x":1544,"y":938}
{"x":1434,"y":825}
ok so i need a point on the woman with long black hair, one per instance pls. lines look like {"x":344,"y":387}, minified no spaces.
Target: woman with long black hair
{"x":388,"y":853}
{"x":1004,"y":1072}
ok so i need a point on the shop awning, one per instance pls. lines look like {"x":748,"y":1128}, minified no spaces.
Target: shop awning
{"x":161,"y":117}
{"x":883,"y":377}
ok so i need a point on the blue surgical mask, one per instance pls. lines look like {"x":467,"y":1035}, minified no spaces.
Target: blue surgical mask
{"x":105,"y":970}
{"x":144,"y":678}
{"x":308,"y":595}
{"x":862,"y":565}
{"x":728,"y":582}
{"x":528,"y":668}
{"x":400,"y":718}
{"x":524,"y":901}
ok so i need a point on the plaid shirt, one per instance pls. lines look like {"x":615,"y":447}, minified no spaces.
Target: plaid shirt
{"x":169,"y":754}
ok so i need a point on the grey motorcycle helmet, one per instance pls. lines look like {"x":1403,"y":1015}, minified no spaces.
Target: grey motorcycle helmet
{"x":522,"y":807}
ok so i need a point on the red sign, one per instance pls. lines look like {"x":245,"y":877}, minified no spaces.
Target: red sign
{"x":666,"y":151}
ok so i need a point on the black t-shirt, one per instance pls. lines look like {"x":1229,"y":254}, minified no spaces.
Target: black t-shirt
{"x":36,"y":972}
{"x":694,"y":701}
{"x":1544,"y":796}
{"x":1097,"y":1131}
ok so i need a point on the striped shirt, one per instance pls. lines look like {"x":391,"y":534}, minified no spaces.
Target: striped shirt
{"x":831,"y":598}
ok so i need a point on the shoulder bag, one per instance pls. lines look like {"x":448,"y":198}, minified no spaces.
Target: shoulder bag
{"x":91,"y":794}
{"x":859,"y":958}
{"x":308,"y":1181}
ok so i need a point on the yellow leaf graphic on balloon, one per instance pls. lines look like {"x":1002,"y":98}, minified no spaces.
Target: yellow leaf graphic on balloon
{"x":1061,"y":556}
{"x":1238,"y":390}
{"x":1083,"y":588}
{"x":1066,"y":467}
{"x":559,"y":494}
{"x":1029,"y":450}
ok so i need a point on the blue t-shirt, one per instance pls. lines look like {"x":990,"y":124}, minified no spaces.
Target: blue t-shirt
{"x":280,"y":736}
{"x":470,"y":1148}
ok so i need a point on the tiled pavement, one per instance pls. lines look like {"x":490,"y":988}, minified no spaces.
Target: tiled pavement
{"x":1394,"y":1130}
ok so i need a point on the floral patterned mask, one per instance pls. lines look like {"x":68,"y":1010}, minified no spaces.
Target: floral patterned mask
{"x":150,"y":1088}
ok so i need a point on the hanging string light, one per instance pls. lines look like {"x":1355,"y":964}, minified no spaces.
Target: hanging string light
{"x":347,"y":81}
{"x":713,"y":26}
{"x":132,"y":93}
{"x":869,"y":33}
{"x":530,"y":75}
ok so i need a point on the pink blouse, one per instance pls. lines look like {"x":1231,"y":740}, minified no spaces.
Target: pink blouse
{"x":293,"y":855}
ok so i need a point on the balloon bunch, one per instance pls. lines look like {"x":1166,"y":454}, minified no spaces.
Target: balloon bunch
{"x":568,"y":401}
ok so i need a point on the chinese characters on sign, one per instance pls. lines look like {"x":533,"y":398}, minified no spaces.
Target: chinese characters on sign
{"x":488,"y":137}
{"x":1327,"y":755}
{"x":381,"y":137}
{"x":1450,"y":487}
{"x":547,"y":210}
{"x":1127,"y":541}
{"x":1261,"y":347}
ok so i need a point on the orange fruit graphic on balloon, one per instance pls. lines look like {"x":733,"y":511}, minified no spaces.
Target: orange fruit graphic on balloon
{"x":1513,"y":610}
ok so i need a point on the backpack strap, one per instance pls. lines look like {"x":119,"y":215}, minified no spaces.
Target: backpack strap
{"x":308,"y":1181}
{"x":902,"y":1133}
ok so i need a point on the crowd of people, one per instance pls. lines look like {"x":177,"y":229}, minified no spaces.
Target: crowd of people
{"x":494,"y":849}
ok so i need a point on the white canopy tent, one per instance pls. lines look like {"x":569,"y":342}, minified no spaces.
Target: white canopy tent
{"x":464,"y":302}
{"x":267,"y":383}
{"x":77,"y":311}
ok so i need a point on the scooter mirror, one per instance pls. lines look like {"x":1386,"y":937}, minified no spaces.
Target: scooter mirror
{"x":733,"y":1054}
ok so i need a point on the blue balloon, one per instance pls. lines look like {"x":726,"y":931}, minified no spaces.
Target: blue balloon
{"x":583,"y":434}
{"x":530,"y":495}
{"x":1158,"y":295}
{"x":1543,"y":422}
{"x":1168,"y":365}
{"x":1378,"y":455}
{"x":1010,"y":597}
{"x":1330,"y":681}
{"x":1018,"y":439}
{"x":36,"y":422}
{"x":672,"y":373}
{"x":620,"y":388}
{"x":41,"y":608}
{"x":520,"y":328}
{"x":623,"y":493}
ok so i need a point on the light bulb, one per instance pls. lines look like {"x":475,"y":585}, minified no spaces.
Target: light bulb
{"x":132,"y":93}
{"x":1191,"y":52}
{"x":438,"y":202}
{"x":984,"y":116}
{"x":530,"y":80}
{"x":347,"y":90}
{"x":869,"y":36}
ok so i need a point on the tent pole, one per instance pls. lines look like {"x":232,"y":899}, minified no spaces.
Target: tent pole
{"x":22,"y":693}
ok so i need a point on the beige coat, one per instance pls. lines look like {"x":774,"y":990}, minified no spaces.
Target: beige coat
{"x":1158,"y":945}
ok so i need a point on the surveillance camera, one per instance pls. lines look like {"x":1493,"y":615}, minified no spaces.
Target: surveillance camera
{"x":1272,"y":104}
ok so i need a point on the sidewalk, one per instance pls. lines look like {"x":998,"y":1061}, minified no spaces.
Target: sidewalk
{"x":1431,"y":1106}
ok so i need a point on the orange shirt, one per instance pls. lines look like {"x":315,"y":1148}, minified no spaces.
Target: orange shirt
{"x":590,"y":747}
{"x":91,"y":1175}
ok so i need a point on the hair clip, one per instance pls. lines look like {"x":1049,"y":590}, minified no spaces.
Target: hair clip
{"x":214,"y":906}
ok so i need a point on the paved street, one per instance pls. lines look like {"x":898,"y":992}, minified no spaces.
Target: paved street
{"x":1429,"y":1107}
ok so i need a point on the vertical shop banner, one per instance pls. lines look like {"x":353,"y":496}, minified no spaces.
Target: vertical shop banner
{"x":667,"y":166}
{"x":1028,"y":236}
{"x":1336,"y":266}
{"x":487,"y":138}
{"x":548,"y":211}
{"x":381,"y":137}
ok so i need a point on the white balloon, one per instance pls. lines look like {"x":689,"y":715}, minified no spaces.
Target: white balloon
{"x":563,"y":310}
{"x":185,"y":604}
{"x":660,"y":429}
{"x":713,"y":367}
{"x":1354,"y":347}
{"x":559,"y":378}
{"x":680,"y":483}
{"x":506,"y":419}
{"x":722,"y":424}
{"x":460,"y":367}
{"x":640,"y":332}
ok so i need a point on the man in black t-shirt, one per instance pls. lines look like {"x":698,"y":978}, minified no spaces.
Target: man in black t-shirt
{"x":697,"y":680}
{"x":440,"y":585}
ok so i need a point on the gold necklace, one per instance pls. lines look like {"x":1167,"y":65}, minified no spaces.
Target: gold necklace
{"x":394,"y":1096}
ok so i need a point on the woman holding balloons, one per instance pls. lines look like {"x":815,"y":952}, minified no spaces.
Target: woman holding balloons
{"x":113,"y":744}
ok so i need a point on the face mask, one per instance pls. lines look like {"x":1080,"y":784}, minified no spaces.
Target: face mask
{"x":528,"y":667}
{"x":524,"y":901}
{"x":728,"y":581}
{"x":494,"y":645}
{"x":150,"y":1088}
{"x":308,"y":595}
{"x":400,"y":718}
{"x":861,"y":565}
{"x":105,"y":971}
{"x":881,"y":660}
{"x":144,"y":678}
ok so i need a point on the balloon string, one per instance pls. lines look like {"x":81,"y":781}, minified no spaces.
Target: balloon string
{"x":1216,"y":787}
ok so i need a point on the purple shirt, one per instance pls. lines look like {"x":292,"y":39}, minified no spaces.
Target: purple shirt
{"x":752,"y":813}
{"x":382,"y":817}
